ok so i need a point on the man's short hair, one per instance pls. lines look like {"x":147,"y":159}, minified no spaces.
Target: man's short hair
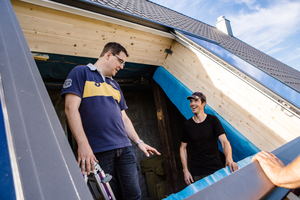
{"x":197,"y":95}
{"x":113,"y":47}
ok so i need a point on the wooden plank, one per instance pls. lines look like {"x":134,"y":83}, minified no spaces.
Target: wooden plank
{"x":166,"y":138}
{"x":49,"y":43}
{"x":262,"y":108}
{"x":52,"y":31}
{"x":74,"y":31}
{"x":249,"y":111}
{"x":269,"y":109}
{"x":251,"y":103}
{"x":82,"y":22}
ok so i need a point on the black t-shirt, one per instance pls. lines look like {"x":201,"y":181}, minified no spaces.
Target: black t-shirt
{"x":202,"y":138}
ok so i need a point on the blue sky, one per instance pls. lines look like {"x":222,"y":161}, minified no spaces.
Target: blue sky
{"x":272,"y":26}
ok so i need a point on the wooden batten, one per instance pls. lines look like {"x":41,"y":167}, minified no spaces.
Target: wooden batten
{"x":253,"y":114}
{"x":166,"y":138}
{"x":53,"y":31}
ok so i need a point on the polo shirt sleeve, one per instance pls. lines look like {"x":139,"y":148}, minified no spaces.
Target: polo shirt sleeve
{"x":122,"y":104}
{"x":75,"y":82}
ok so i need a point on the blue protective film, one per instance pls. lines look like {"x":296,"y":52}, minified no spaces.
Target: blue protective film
{"x":177,"y":93}
{"x":290,"y":94}
{"x":7,"y":189}
{"x":203,"y":183}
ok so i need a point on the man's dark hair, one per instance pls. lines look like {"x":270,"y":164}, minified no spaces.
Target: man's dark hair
{"x":113,"y":47}
{"x":202,"y":100}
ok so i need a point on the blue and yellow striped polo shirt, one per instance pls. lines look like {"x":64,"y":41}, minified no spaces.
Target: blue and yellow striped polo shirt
{"x":101,"y":104}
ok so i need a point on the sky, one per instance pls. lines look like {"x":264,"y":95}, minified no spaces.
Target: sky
{"x":271,"y":26}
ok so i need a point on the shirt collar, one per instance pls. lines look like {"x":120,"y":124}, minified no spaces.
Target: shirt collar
{"x":93,"y":68}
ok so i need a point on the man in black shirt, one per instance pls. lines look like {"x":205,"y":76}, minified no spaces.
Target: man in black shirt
{"x":202,"y":132}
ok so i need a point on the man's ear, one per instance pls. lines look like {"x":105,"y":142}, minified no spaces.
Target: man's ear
{"x":107,"y":55}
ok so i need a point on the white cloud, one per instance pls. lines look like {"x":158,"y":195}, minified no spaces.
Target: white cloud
{"x":251,"y":4}
{"x":267,"y":27}
{"x":275,"y":50}
{"x":295,"y":54}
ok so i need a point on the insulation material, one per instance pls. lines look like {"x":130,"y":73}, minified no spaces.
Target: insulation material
{"x":203,"y":183}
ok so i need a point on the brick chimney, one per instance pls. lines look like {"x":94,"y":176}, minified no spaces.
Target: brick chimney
{"x":223,"y":25}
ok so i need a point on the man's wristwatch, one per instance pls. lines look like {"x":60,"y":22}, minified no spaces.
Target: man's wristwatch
{"x":138,"y":142}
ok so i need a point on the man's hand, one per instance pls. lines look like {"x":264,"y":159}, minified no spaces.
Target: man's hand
{"x":148,"y":149}
{"x":270,"y":164}
{"x":188,"y":177}
{"x":232,"y":166}
{"x":86,"y":158}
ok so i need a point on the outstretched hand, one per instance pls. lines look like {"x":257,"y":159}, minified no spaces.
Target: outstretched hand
{"x":148,"y":149}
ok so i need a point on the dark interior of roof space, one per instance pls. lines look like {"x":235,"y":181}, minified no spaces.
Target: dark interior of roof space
{"x":55,"y":69}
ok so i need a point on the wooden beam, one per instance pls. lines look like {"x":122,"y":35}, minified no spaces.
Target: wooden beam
{"x":53,"y":31}
{"x":166,"y":138}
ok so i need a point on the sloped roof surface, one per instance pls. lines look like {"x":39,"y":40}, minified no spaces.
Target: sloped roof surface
{"x":158,"y":13}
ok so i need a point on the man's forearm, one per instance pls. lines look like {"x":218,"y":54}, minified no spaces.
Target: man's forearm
{"x":130,"y":131}
{"x":86,"y":157}
{"x":227,"y":152}
{"x":183,"y":157}
{"x":226,"y":148}
{"x":288,"y":176}
{"x":75,"y":124}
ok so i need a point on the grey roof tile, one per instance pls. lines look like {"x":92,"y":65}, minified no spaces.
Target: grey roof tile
{"x":161,"y":14}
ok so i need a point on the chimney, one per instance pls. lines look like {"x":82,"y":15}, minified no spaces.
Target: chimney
{"x":223,"y":25}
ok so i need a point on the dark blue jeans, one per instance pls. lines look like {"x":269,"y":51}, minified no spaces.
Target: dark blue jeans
{"x":121,"y":164}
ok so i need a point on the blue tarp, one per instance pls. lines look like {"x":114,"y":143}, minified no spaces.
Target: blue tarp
{"x":203,"y":183}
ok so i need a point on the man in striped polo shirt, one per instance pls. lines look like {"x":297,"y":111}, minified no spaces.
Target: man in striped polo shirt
{"x":95,"y":110}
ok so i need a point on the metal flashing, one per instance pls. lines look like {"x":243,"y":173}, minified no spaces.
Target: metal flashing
{"x":250,"y":182}
{"x":46,"y":164}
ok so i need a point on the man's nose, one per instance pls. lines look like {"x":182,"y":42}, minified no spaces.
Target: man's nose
{"x":121,"y":65}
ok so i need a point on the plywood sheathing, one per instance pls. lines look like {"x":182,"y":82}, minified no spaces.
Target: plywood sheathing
{"x":52,"y":31}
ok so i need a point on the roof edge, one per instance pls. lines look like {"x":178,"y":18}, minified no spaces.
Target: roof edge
{"x":101,"y":9}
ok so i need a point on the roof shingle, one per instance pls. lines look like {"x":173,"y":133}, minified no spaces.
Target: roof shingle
{"x":161,"y":14}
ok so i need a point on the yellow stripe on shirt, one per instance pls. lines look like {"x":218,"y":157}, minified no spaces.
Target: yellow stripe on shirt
{"x":100,"y":89}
